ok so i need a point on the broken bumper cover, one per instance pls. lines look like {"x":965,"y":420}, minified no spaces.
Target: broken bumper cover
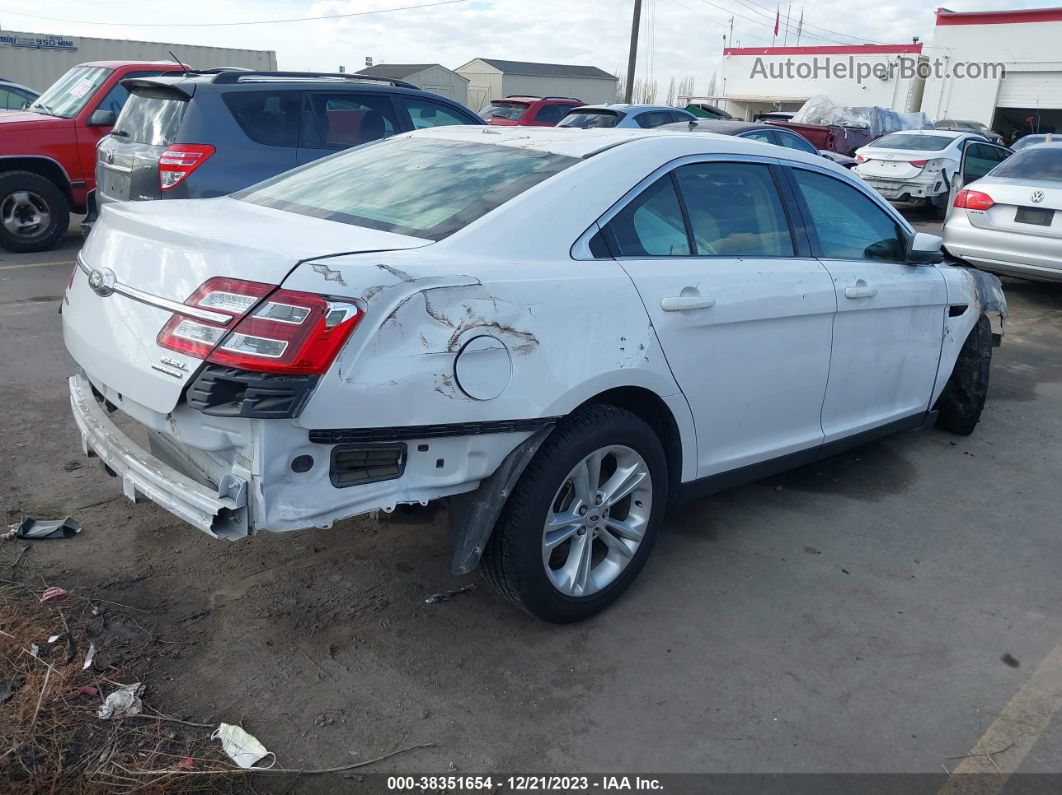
{"x":899,"y":190}
{"x":222,"y":515}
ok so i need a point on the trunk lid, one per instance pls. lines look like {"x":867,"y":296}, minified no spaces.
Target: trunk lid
{"x":161,"y":252}
{"x":1014,"y":199}
{"x":894,"y":163}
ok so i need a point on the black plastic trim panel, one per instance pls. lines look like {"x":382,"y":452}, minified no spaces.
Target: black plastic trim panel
{"x":230,"y":392}
{"x":359,"y":464}
{"x":397,"y":433}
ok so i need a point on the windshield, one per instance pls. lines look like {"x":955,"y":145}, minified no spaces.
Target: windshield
{"x":1035,"y":164}
{"x":410,"y":186}
{"x":908,"y":141}
{"x":150,"y":118}
{"x":67,"y":95}
{"x":504,"y":110}
{"x":590,"y":118}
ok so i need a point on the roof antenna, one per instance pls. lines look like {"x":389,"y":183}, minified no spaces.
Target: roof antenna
{"x":176,"y":59}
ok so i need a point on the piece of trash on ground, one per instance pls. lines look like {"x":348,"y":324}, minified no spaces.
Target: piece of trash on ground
{"x":54,"y":638}
{"x":40,"y":529}
{"x":35,"y":650}
{"x":89,"y":690}
{"x":122,"y":702}
{"x":55,"y":592}
{"x":443,"y":596}
{"x":89,"y":657}
{"x":241,"y":747}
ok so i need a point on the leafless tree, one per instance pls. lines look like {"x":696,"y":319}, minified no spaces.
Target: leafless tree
{"x":671,"y":93}
{"x":712,"y":84}
{"x":687,"y":87}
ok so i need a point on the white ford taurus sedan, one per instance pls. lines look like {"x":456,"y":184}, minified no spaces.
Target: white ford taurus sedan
{"x":562,"y":331}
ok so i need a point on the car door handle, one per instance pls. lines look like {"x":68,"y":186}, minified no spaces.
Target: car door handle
{"x":860,"y":291}
{"x":683,"y":303}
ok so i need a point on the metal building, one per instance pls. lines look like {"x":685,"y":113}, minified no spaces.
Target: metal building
{"x":490,"y":78}
{"x":38,"y":59}
{"x":429,"y":76}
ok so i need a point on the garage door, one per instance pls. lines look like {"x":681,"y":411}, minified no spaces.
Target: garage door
{"x":1031,"y":90}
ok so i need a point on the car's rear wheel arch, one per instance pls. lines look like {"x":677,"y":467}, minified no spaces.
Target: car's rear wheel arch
{"x":651,"y":408}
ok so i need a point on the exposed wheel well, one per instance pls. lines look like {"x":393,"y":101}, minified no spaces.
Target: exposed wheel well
{"x":649,"y":407}
{"x":48,"y":169}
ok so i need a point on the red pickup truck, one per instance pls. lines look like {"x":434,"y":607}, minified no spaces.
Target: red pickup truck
{"x":48,"y":151}
{"x":831,"y":137}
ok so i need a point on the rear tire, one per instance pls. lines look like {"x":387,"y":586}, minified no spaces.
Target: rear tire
{"x":33,"y":212}
{"x":593,"y":549}
{"x":963,"y":398}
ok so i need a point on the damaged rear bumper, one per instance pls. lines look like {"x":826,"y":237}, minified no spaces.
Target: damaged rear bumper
{"x":221,"y":512}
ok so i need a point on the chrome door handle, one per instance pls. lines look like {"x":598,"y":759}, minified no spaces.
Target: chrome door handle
{"x":860,"y":291}
{"x":683,"y":303}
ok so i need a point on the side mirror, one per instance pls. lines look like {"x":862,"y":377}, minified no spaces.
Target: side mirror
{"x":924,"y":249}
{"x":102,"y":118}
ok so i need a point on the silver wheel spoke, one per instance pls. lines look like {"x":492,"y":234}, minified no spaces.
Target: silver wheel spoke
{"x":560,"y":528}
{"x":624,"y":528}
{"x":615,"y":544}
{"x":622,"y":483}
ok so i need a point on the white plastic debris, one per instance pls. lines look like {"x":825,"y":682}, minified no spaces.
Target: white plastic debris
{"x":53,"y":638}
{"x":122,"y":702}
{"x":89,"y":657}
{"x":35,"y":650}
{"x":242,"y":748}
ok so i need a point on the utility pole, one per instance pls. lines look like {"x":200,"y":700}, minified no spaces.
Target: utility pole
{"x":632,"y":58}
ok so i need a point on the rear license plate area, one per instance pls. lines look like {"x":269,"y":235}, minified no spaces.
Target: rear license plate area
{"x":1035,"y":216}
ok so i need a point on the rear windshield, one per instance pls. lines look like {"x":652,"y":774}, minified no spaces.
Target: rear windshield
{"x":151,"y":118}
{"x":67,"y":95}
{"x":411,"y":186}
{"x":1034,"y":164}
{"x":504,"y":110}
{"x":590,"y":118}
{"x":931,"y":143}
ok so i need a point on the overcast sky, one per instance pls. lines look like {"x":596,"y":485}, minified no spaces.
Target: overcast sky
{"x":686,"y":36}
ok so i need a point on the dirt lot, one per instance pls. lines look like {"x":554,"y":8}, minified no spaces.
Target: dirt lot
{"x":848,"y":616}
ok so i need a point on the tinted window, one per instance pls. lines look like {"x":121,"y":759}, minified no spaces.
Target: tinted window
{"x":337,"y":121}
{"x":792,"y":141}
{"x":1034,"y":163}
{"x":551,"y":114}
{"x":848,"y":224}
{"x":504,"y":110}
{"x":67,"y":95}
{"x":735,"y":210}
{"x":767,"y":136}
{"x":980,"y":159}
{"x":653,"y":118}
{"x":425,"y":113}
{"x":411,"y":186}
{"x":267,"y":117}
{"x":932,"y":143}
{"x":651,"y":225}
{"x":12,"y":100}
{"x":151,"y":117}
{"x":590,"y":118}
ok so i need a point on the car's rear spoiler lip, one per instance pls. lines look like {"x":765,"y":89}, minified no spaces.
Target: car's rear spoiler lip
{"x":161,"y":86}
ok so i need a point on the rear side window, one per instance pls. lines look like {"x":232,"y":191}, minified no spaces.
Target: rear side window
{"x":848,"y":224}
{"x":267,"y":117}
{"x":587,"y":119}
{"x":792,"y":141}
{"x":735,"y":210}
{"x":151,"y":117}
{"x":426,"y":113}
{"x":551,"y":114}
{"x":341,"y":120}
{"x":1033,"y":163}
{"x":652,"y":225}
{"x":767,"y":136}
{"x":653,"y":118}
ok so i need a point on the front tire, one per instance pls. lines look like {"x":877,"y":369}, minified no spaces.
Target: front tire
{"x":963,"y":398}
{"x":582,"y":519}
{"x":33,"y":212}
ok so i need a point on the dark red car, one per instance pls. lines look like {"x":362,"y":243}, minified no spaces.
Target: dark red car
{"x":529,"y":111}
{"x":48,"y":161}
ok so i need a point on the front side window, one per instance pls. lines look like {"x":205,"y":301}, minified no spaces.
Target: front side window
{"x":342,"y":120}
{"x":980,"y":159}
{"x":425,"y":113}
{"x":652,"y":225}
{"x":12,"y":100}
{"x":847,"y":223}
{"x":410,"y":186}
{"x":735,"y":210}
{"x":71,"y":92}
{"x":267,"y":117}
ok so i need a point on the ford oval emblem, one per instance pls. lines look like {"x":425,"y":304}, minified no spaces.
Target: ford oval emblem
{"x":102,"y":281}
{"x":1037,"y":196}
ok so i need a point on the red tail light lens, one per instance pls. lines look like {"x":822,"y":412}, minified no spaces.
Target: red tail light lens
{"x":179,"y":160}
{"x":974,"y":200}
{"x":862,"y":158}
{"x":918,"y":163}
{"x":264,"y":328}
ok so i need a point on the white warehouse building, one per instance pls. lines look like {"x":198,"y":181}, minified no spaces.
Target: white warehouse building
{"x":763,"y":79}
{"x":492,"y":78}
{"x":1000,"y":68}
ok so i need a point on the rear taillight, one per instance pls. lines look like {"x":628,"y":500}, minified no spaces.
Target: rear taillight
{"x":861,"y":158}
{"x":179,"y":160}
{"x":918,"y":163}
{"x":974,"y":200}
{"x":267,"y":329}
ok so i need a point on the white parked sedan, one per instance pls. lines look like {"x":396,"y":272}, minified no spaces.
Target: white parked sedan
{"x":916,"y":165}
{"x":562,"y":331}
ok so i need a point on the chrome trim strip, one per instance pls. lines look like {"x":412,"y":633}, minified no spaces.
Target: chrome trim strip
{"x":163,"y":303}
{"x":113,"y":167}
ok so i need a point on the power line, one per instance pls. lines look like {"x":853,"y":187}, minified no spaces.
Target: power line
{"x":232,"y":24}
{"x":809,"y":25}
